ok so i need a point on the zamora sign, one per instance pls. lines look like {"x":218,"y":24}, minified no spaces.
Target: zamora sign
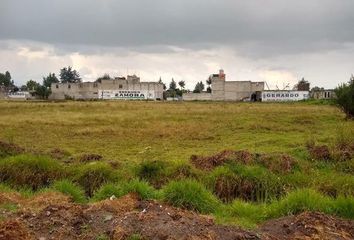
{"x":125,"y":94}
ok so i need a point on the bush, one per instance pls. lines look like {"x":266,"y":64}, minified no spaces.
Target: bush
{"x":30,"y":171}
{"x":92,"y":176}
{"x":68,"y":188}
{"x":191,"y":195}
{"x":345,"y":97}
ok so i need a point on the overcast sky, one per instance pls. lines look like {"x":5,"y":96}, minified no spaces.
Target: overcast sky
{"x":276,"y":41}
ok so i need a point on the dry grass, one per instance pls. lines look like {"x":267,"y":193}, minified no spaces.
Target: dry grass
{"x":167,"y":131}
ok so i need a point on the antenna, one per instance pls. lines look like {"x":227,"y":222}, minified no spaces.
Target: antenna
{"x":287,"y":86}
{"x":267,"y":85}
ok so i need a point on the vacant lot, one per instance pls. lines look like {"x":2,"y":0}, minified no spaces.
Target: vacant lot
{"x":166,"y":131}
{"x":246,"y":164}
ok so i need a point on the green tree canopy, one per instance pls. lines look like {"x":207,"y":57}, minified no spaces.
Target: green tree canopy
{"x":5,"y":79}
{"x":48,"y":80}
{"x":199,"y":87}
{"x":173,"y":85}
{"x":68,"y":75}
{"x":32,"y":85}
{"x":104,"y":77}
{"x":345,"y":97}
{"x":182,"y":84}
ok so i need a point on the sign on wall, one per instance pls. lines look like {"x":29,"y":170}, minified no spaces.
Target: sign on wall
{"x":126,"y":94}
{"x":283,"y":96}
{"x":19,"y":95}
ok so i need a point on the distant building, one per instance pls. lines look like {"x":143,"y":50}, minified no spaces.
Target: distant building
{"x":322,"y":94}
{"x":222,"y":90}
{"x":118,"y":88}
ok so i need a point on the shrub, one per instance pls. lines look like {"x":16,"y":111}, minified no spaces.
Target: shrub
{"x":108,"y":190}
{"x":67,"y":187}
{"x":30,"y":171}
{"x":191,"y":195}
{"x":345,"y":97}
{"x":92,"y":176}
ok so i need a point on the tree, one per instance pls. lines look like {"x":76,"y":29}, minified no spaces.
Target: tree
{"x":51,"y":78}
{"x":164,"y":85}
{"x":67,"y":75}
{"x":43,"y":92}
{"x":173,"y":85}
{"x":104,"y":77}
{"x":208,"y":82}
{"x":345,"y":97}
{"x":32,"y":85}
{"x":199,"y":87}
{"x":5,"y":79}
{"x":182,"y":84}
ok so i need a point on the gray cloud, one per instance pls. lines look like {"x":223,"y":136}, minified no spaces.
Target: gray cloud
{"x":273,"y":26}
{"x":254,"y":39}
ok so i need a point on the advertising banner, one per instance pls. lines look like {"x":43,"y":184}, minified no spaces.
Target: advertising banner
{"x":283,"y":96}
{"x":126,"y":94}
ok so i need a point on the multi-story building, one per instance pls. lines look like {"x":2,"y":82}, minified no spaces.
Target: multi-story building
{"x":222,"y":90}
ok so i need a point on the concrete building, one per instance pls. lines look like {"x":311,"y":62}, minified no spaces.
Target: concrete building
{"x":222,"y":90}
{"x":322,"y":94}
{"x":118,"y":88}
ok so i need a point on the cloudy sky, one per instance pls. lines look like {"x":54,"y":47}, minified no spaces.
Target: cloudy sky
{"x":276,"y":41}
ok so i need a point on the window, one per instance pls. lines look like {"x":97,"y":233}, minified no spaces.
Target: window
{"x":95,"y":84}
{"x":120,"y":86}
{"x":69,"y":86}
{"x":57,"y":86}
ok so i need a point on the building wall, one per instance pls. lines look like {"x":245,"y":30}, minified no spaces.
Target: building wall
{"x":89,"y":90}
{"x":223,"y":90}
{"x":197,"y":96}
{"x":323,"y":94}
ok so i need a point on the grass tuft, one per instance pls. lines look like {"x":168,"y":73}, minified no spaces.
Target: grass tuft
{"x":190,"y":194}
{"x":68,"y":188}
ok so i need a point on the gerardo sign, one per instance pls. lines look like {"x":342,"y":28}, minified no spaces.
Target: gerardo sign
{"x":125,"y":94}
{"x":282,"y":96}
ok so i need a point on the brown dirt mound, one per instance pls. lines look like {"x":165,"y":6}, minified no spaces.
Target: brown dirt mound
{"x":308,"y":225}
{"x":10,"y":197}
{"x":58,"y":153}
{"x":90,"y":157}
{"x":126,"y":203}
{"x":42,"y":200}
{"x":155,"y":221}
{"x":278,"y":163}
{"x":123,"y":217}
{"x":320,"y":153}
{"x":10,"y":148}
{"x":209,"y":163}
{"x":14,"y":230}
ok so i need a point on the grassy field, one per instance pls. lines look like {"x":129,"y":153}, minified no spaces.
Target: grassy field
{"x":132,"y":131}
{"x":298,"y":156}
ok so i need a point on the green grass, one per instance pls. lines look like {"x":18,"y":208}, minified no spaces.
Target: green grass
{"x":30,"y":171}
{"x":134,"y":131}
{"x":146,"y":147}
{"x":74,"y":191}
{"x":191,"y":195}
